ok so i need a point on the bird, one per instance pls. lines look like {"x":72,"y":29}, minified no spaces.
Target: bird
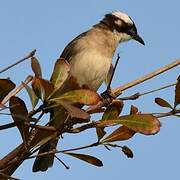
{"x":90,"y":56}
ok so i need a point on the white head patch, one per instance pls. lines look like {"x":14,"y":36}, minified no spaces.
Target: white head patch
{"x":123,"y":16}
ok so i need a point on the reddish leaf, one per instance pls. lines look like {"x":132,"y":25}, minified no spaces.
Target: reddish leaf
{"x":120,"y":134}
{"x":74,"y":111}
{"x":34,"y":99}
{"x":60,"y":72}
{"x":100,"y":133}
{"x":143,"y":123}
{"x":177,"y":93}
{"x":36,"y":67}
{"x":87,"y":158}
{"x":19,"y":114}
{"x":134,"y":110}
{"x":6,"y":86}
{"x":113,"y":110}
{"x":81,"y":96}
{"x":163,"y":103}
{"x":128,"y":152}
{"x":42,"y":88}
{"x":41,"y":137}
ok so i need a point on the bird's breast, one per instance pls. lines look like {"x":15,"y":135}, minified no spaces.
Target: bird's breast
{"x":90,"y":68}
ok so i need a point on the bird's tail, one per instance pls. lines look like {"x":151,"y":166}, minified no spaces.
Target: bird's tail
{"x":42,"y":163}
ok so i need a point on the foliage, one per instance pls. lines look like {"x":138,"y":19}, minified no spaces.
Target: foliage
{"x":70,"y":103}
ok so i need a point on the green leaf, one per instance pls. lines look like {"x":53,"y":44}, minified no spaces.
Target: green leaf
{"x":127,"y":151}
{"x":87,"y":158}
{"x":35,"y":65}
{"x":6,"y":86}
{"x":34,"y":99}
{"x":19,"y":114}
{"x":163,"y":103}
{"x":120,"y":134}
{"x":177,"y":93}
{"x":143,"y":123}
{"x":60,"y":72}
{"x":81,"y":96}
{"x":42,"y":88}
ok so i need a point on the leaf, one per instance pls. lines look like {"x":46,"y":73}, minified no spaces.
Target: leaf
{"x":34,"y":99}
{"x":81,"y":96}
{"x":177,"y":93}
{"x":113,"y":110}
{"x":42,"y":88}
{"x":100,"y":133}
{"x":6,"y":86}
{"x":120,"y":134}
{"x":134,"y":110}
{"x":60,"y":72}
{"x":36,"y":67}
{"x":163,"y":103}
{"x":87,"y":158}
{"x":128,"y":152}
{"x":143,"y":123}
{"x":41,"y":137}
{"x":19,"y":114}
{"x":74,"y":111}
{"x":108,"y":77}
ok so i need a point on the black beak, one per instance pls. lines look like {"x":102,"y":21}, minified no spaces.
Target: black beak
{"x":139,"y":39}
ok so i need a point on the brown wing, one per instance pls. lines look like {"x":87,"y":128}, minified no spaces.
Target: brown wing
{"x":71,"y":49}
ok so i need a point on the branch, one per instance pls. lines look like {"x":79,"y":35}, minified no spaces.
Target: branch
{"x":19,"y":88}
{"x":31,"y":54}
{"x":117,"y":91}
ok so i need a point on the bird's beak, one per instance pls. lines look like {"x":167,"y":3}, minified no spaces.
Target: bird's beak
{"x":139,"y":39}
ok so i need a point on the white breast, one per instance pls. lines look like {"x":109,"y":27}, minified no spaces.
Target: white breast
{"x":90,"y":68}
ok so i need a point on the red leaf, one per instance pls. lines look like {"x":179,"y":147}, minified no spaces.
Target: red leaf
{"x":143,"y":123}
{"x":81,"y":96}
{"x":128,"y":152}
{"x":6,"y":86}
{"x":87,"y":158}
{"x":177,"y":93}
{"x":36,"y":67}
{"x":42,"y":88}
{"x":120,"y":134}
{"x":19,"y":114}
{"x":163,"y":103}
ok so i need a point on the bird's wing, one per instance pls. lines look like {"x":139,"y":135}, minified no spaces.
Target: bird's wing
{"x":71,"y":49}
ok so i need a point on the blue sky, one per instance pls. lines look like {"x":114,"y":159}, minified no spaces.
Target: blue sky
{"x":48,"y":26}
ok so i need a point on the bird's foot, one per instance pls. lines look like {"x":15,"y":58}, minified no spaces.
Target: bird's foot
{"x":108,"y":94}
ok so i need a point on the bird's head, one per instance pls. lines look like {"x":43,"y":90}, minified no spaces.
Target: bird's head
{"x":122,"y":26}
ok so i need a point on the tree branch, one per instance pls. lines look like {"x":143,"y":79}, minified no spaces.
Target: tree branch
{"x":19,"y":88}
{"x":117,"y":91}
{"x":31,"y":54}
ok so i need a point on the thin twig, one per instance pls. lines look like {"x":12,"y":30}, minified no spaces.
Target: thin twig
{"x":137,"y":95}
{"x":112,"y":75}
{"x":18,"y":89}
{"x":67,"y":167}
{"x":31,"y":54}
{"x":119,"y":90}
{"x":64,"y":151}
